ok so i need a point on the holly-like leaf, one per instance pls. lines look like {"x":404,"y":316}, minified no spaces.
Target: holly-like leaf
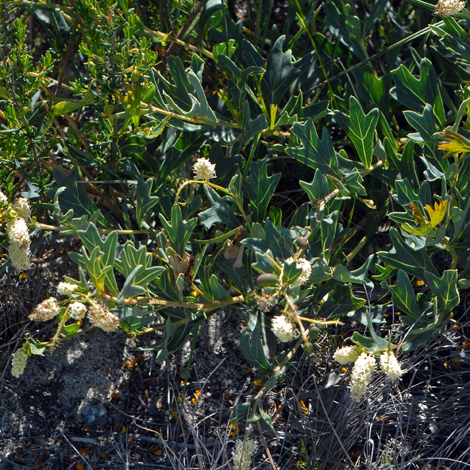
{"x":403,"y":256}
{"x":417,"y":92}
{"x":445,"y":289}
{"x":219,"y":211}
{"x":178,"y":231}
{"x":315,"y":152}
{"x":74,"y":195}
{"x":404,"y":296}
{"x":282,"y":73}
{"x":360,"y":128}
{"x":260,"y":189}
{"x":144,"y":200}
{"x":358,"y":276}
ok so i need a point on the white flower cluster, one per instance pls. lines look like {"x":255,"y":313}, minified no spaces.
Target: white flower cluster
{"x":20,"y":242}
{"x":346,"y":354}
{"x":361,"y":375}
{"x":65,"y":288}
{"x":77,"y":310}
{"x":243,"y":454}
{"x":283,"y":328}
{"x":19,"y":360}
{"x":390,"y":365}
{"x":364,"y":366}
{"x":3,"y":199}
{"x":303,"y":264}
{"x":445,"y":8}
{"x":21,"y":207}
{"x":19,"y":247}
{"x":46,"y":310}
{"x":203,"y":169}
{"x":101,"y":317}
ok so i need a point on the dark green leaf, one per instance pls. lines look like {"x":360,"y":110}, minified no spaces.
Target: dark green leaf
{"x":403,"y":256}
{"x":260,"y":189}
{"x":445,"y":289}
{"x":314,"y":153}
{"x":360,"y":128}
{"x":178,"y":231}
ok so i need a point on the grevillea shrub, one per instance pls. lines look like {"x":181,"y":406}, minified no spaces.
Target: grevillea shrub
{"x":294,"y":168}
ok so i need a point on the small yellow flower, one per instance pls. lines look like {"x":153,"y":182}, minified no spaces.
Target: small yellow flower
{"x":454,"y":143}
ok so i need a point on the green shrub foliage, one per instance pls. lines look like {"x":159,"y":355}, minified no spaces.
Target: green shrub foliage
{"x":292,"y":167}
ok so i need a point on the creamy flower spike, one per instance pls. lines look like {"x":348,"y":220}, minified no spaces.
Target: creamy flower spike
{"x":361,"y":375}
{"x":283,"y":328}
{"x":65,"y":288}
{"x":46,"y":310}
{"x":243,"y":453}
{"x":302,"y":263}
{"x":22,"y":208}
{"x":346,"y":354}
{"x":101,"y":317}
{"x":20,"y":242}
{"x":203,"y":169}
{"x":18,"y":232}
{"x":19,"y":257}
{"x":446,"y":8}
{"x":390,"y":365}
{"x":19,"y":360}
{"x":77,"y":310}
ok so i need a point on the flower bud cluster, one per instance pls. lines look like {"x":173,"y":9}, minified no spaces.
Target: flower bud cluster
{"x":19,"y":360}
{"x":243,"y":453}
{"x":203,"y":169}
{"x":283,"y":328}
{"x":101,"y":317}
{"x":46,"y":310}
